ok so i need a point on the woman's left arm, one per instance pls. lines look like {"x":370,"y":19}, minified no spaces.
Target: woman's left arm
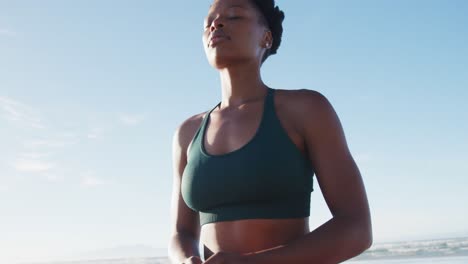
{"x":349,"y":232}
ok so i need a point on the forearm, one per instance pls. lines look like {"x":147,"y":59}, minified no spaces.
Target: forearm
{"x":333,"y":242}
{"x":182,"y":246}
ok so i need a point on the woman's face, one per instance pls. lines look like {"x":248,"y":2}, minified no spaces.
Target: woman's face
{"x":243,"y":37}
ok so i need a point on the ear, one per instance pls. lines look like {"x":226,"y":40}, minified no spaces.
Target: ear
{"x":267,"y":39}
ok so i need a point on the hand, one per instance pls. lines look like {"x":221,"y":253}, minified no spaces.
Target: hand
{"x":228,"y":258}
{"x":193,"y":260}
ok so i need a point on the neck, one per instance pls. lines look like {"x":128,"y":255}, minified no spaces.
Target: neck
{"x":241,"y":84}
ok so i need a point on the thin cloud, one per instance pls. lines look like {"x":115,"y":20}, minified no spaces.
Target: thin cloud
{"x":31,"y":162}
{"x":92,"y":135}
{"x":59,"y":140}
{"x":131,"y":120}
{"x":92,"y":181}
{"x":34,"y":155}
{"x":68,"y":134}
{"x":8,"y":33}
{"x":95,"y":133}
{"x":89,"y":179}
{"x":53,"y":177}
{"x":47,"y":143}
{"x":4,"y":188}
{"x":15,"y":111}
{"x":32,"y":166}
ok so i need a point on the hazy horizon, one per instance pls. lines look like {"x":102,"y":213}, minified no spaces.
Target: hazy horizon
{"x":446,"y":251}
{"x":394,"y":251}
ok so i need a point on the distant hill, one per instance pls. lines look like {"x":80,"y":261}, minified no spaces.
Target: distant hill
{"x":154,"y":260}
{"x":142,"y":254}
{"x":125,"y":251}
{"x":442,"y":247}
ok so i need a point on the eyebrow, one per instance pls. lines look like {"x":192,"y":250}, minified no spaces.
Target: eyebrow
{"x":241,"y":6}
{"x":231,"y":6}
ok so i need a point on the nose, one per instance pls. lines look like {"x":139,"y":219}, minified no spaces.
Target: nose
{"x":216,"y":23}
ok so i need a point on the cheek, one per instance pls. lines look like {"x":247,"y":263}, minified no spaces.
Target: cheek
{"x":251,"y":44}
{"x":204,"y":39}
{"x":254,"y":37}
{"x":247,"y":38}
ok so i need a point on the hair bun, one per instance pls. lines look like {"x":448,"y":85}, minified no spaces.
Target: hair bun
{"x":274,"y":17}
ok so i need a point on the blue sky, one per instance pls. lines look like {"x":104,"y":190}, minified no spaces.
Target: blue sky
{"x":92,"y":91}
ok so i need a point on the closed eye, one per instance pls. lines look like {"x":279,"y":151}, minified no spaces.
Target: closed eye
{"x":207,"y":25}
{"x":230,"y":18}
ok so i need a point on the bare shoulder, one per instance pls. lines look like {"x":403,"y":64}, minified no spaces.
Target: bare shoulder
{"x":303,"y":105}
{"x":185,"y":132}
{"x":300,"y":98}
{"x":185,"y":220}
{"x":318,"y":122}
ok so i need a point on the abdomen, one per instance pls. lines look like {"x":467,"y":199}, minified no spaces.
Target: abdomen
{"x":251,"y":235}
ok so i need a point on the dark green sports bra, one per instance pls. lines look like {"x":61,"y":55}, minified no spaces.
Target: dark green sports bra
{"x":266,"y":178}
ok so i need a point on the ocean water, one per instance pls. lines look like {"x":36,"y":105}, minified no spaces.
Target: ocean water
{"x":162,"y":260}
{"x":439,"y":251}
{"x":438,"y":260}
{"x":449,"y":250}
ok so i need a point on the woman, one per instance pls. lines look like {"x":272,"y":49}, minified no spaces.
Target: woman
{"x":243,"y":170}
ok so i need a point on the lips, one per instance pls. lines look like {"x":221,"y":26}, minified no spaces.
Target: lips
{"x":215,"y":40}
{"x":217,"y":36}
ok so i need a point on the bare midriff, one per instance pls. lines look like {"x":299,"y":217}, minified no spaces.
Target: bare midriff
{"x":251,"y":235}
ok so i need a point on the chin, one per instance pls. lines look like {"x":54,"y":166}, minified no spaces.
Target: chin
{"x":219,"y":61}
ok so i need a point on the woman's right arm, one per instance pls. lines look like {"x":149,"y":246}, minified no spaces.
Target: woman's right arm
{"x":185,"y":225}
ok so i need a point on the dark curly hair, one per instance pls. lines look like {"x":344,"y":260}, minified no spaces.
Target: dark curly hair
{"x":272,"y":17}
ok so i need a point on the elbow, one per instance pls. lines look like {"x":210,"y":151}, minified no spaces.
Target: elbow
{"x":367,"y":243}
{"x":369,"y":235}
{"x":366,"y":237}
{"x":170,"y":255}
{"x":363,"y":232}
{"x":361,"y":235}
